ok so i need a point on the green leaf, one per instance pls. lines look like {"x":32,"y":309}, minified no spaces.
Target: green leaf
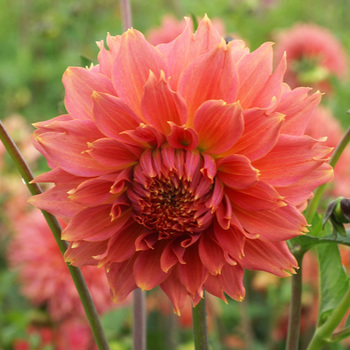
{"x":334,"y":281}
{"x":318,"y":227}
{"x":319,"y":235}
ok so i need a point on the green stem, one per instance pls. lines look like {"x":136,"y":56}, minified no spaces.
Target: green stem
{"x":200,"y":333}
{"x":295,"y":308}
{"x":139,"y":320}
{"x":139,"y":309}
{"x":314,"y":202}
{"x":76,"y":274}
{"x":126,"y":14}
{"x":323,"y":334}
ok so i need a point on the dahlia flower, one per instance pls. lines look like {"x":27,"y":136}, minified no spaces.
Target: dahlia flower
{"x":314,"y":54}
{"x":181,"y":165}
{"x":43,"y":274}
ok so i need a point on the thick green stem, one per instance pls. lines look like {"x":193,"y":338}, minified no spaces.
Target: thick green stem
{"x":323,"y":333}
{"x":139,"y":320}
{"x":76,"y":274}
{"x":295,"y":308}
{"x":314,"y":202}
{"x":200,"y":333}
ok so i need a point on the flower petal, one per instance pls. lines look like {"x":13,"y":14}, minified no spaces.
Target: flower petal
{"x":149,"y":261}
{"x":188,"y":46}
{"x":80,"y":84}
{"x":121,"y":246}
{"x":291,"y":159}
{"x":121,"y":279}
{"x":131,"y":68}
{"x":210,"y":253}
{"x":224,"y":212}
{"x":297,"y":105}
{"x":230,"y":240}
{"x":168,"y":258}
{"x":214,"y":286}
{"x":160,"y":105}
{"x":71,"y":138}
{"x":91,"y":192}
{"x":273,"y":87}
{"x":306,"y":185}
{"x":236,"y":171}
{"x":275,"y":225}
{"x":55,"y":200}
{"x":94,"y":224}
{"x":112,"y":154}
{"x":260,"y":196}
{"x":219,"y":79}
{"x":192,"y":274}
{"x":232,"y":281}
{"x":112,"y":115}
{"x":81,"y":253}
{"x":106,"y":57}
{"x":261,"y":132}
{"x":229,"y":281}
{"x":254,"y":70}
{"x":273,"y":257}
{"x":175,"y":291}
{"x":182,"y":137}
{"x":219,"y":125}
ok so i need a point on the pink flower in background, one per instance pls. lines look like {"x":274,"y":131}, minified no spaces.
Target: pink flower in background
{"x":68,"y":334}
{"x":181,"y":165}
{"x":323,"y":123}
{"x":43,"y":274}
{"x":171,"y":27}
{"x":314,"y":54}
{"x":74,"y":334}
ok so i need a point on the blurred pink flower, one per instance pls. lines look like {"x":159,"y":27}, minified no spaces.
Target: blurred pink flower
{"x":323,"y":123}
{"x":314,"y":54}
{"x":181,"y":165}
{"x":43,"y":274}
{"x":68,"y":334}
{"x":74,"y":334}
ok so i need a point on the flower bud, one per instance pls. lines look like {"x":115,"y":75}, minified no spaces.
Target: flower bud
{"x":338,"y":212}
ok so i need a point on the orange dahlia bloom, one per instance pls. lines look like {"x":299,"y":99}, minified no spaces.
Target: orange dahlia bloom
{"x":314,"y":54}
{"x":182,"y":164}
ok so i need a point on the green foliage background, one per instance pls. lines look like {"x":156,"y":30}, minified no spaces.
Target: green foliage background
{"x":40,"y":38}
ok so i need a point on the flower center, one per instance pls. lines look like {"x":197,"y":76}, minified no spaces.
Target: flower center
{"x":169,"y":192}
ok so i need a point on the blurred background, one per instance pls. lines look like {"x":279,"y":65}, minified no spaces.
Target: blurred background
{"x":39,"y":40}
